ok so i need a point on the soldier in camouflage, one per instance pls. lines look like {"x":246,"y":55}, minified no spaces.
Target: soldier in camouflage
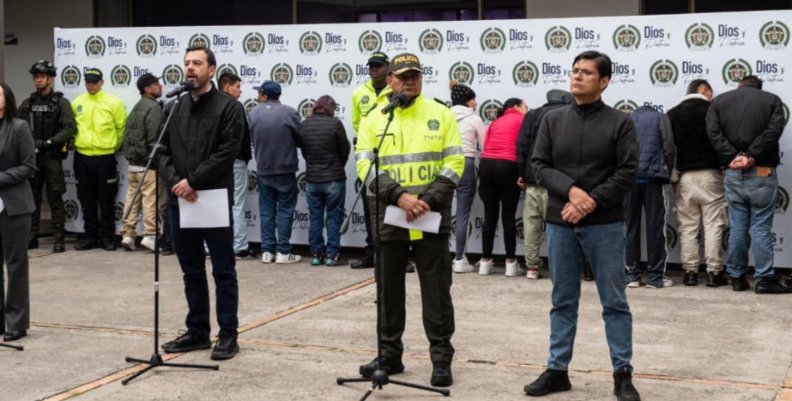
{"x":52,"y":124}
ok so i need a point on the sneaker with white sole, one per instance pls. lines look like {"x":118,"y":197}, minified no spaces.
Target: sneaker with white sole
{"x":284,"y":258}
{"x":267,"y":257}
{"x":486,"y":267}
{"x":463,"y":266}
{"x":513,"y":268}
{"x":634,"y":284}
{"x":148,"y":242}
{"x":667,"y":282}
{"x":128,"y":243}
{"x":532,"y":273}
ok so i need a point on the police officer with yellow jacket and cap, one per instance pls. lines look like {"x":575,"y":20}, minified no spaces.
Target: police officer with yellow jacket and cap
{"x":52,"y":124}
{"x":421,"y":161}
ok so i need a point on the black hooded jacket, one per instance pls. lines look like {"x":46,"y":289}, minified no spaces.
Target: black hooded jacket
{"x":530,"y":127}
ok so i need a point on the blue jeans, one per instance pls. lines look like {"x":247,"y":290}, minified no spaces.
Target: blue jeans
{"x":466,"y":192}
{"x":603,"y":246}
{"x":238,"y":212}
{"x":188,"y":244}
{"x":751,"y":201}
{"x":326,"y":197}
{"x":277,"y":195}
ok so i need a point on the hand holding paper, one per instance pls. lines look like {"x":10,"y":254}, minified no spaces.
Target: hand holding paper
{"x":209,"y":210}
{"x":429,"y":222}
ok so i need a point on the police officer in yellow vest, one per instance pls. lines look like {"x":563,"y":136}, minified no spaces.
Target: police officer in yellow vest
{"x":421,"y":161}
{"x":100,"y":118}
{"x":366,"y":98}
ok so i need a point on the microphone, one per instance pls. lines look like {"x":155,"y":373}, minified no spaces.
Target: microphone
{"x":183,"y":87}
{"x":397,"y":101}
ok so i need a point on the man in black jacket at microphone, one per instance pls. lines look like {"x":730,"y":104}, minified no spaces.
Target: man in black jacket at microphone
{"x":199,"y":149}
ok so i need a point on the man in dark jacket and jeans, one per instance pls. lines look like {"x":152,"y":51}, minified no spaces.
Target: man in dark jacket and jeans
{"x":140,"y":135}
{"x":744,"y":125}
{"x":647,"y":195}
{"x":198,"y":153}
{"x":535,"y":202}
{"x":586,"y":156}
{"x":274,"y":130}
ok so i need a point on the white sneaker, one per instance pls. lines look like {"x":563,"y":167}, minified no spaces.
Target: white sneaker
{"x":533,"y":273}
{"x":148,"y":242}
{"x":287,"y":258}
{"x":128,"y":243}
{"x":513,"y":268}
{"x":667,"y":282}
{"x":267,"y":257}
{"x":463,"y":266}
{"x":634,"y":284}
{"x":485,"y":267}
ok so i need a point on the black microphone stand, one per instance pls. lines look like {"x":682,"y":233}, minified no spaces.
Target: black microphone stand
{"x":16,"y":347}
{"x":380,"y":377}
{"x":156,"y":359}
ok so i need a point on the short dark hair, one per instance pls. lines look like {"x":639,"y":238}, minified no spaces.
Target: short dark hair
{"x":603,"y":62}
{"x":10,"y":101}
{"x":694,"y":85}
{"x":752,"y":80}
{"x":210,"y":56}
{"x":509,"y":103}
{"x":227,"y":78}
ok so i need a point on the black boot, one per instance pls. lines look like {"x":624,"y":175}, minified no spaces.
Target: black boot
{"x":33,"y":244}
{"x":716,"y":279}
{"x":740,"y":283}
{"x":771,"y":285}
{"x":691,"y":278}
{"x":551,"y":381}
{"x":623,"y":388}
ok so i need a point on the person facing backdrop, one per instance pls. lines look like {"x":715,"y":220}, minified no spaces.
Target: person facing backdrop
{"x":498,"y":185}
{"x":17,"y":165}
{"x":326,"y":151}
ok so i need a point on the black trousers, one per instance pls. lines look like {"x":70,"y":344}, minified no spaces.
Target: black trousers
{"x":49,"y":174}
{"x":433,"y":264}
{"x":97,"y":186}
{"x":498,"y":187}
{"x":15,"y":303}
{"x":650,"y":199}
{"x":368,"y":251}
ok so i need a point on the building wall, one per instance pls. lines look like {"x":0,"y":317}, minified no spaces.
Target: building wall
{"x":32,"y":22}
{"x":581,"y":8}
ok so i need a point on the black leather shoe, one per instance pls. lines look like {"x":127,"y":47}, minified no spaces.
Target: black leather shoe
{"x":86,"y":244}
{"x":771,"y":286}
{"x":393,"y":367}
{"x":441,"y":374}
{"x":588,"y":275}
{"x":410,"y":267}
{"x":550,"y":381}
{"x":58,"y":246}
{"x":716,"y":279}
{"x":740,"y":283}
{"x":623,"y":388}
{"x":225,"y":348}
{"x":108,"y":245}
{"x":33,"y":244}
{"x":186,"y":342}
{"x":14,"y":335}
{"x":691,"y":279}
{"x":362,"y":264}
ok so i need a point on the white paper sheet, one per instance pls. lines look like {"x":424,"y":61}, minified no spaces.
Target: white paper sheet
{"x":429,"y":222}
{"x":2,"y":205}
{"x":210,"y":210}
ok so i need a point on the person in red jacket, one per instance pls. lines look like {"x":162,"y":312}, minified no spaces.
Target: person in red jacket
{"x":498,"y":174}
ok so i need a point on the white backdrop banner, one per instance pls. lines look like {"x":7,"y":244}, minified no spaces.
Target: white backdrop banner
{"x":654,"y":59}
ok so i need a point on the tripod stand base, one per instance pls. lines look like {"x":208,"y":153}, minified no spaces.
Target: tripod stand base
{"x":380,"y":378}
{"x":16,"y":347}
{"x":156,"y":361}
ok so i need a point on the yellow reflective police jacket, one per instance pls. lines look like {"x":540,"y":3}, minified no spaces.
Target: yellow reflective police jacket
{"x":100,"y":122}
{"x":421,"y":154}
{"x":365,"y":99}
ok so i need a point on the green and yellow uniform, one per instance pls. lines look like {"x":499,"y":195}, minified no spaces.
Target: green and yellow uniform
{"x":365,"y":99}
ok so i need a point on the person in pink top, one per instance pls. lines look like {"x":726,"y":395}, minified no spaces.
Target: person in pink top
{"x":498,"y":175}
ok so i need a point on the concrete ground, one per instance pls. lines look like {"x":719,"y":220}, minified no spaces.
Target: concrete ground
{"x":302,"y":327}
